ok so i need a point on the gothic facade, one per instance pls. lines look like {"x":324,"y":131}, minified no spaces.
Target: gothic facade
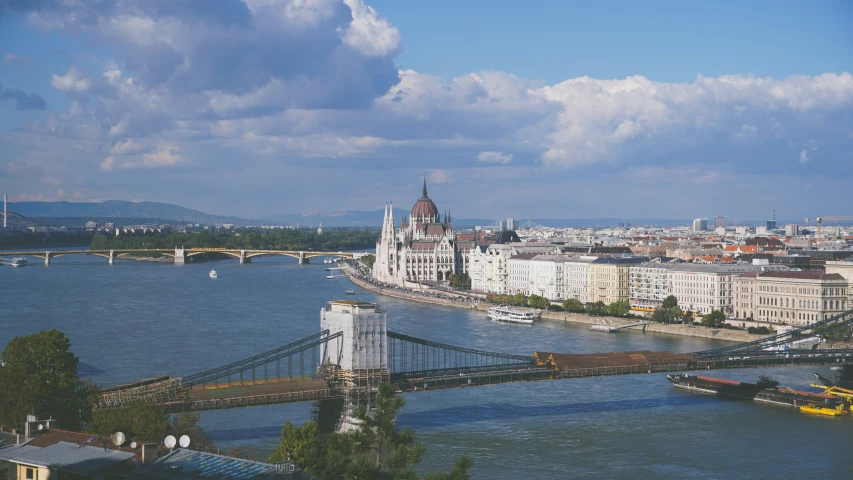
{"x":424,"y":249}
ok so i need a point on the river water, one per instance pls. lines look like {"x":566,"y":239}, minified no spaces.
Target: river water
{"x":139,"y":319}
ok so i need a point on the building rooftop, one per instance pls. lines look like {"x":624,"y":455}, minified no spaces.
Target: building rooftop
{"x":809,"y":275}
{"x":192,"y":464}
{"x":65,"y":456}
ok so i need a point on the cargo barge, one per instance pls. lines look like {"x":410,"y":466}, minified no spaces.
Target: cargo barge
{"x":788,"y":397}
{"x":722,"y":387}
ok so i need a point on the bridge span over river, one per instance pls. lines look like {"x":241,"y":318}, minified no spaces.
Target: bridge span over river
{"x":322,"y":367}
{"x":180,"y":255}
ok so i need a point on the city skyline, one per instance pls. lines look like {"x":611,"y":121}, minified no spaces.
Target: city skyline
{"x":628,"y":112}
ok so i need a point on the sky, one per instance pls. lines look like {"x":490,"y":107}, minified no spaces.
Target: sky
{"x":547,"y":109}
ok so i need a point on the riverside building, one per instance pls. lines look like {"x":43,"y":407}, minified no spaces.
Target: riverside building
{"x":791,"y":298}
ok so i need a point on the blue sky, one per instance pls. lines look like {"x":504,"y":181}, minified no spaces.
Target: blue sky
{"x":536,"y":109}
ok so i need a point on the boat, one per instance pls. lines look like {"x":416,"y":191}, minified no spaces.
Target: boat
{"x":213,"y":274}
{"x":788,"y":397}
{"x":821,"y":410}
{"x":510,"y":315}
{"x":330,"y":277}
{"x":349,"y":292}
{"x":719,"y":386}
{"x":18,"y":262}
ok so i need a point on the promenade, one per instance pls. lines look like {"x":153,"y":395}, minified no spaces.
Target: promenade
{"x":462,"y":300}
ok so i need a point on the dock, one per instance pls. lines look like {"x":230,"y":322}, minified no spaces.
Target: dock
{"x":616,"y":328}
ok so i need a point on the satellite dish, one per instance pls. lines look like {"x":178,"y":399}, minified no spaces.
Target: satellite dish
{"x":170,"y":441}
{"x":118,"y":439}
{"x":41,"y":427}
{"x":132,"y":444}
{"x":184,"y":441}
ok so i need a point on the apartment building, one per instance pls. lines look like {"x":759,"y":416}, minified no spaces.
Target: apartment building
{"x":648,"y":285}
{"x":546,"y":276}
{"x":608,"y":278}
{"x":518,"y":267}
{"x":487,"y":267}
{"x":845,"y":269}
{"x":703,"y":288}
{"x":792,"y":298}
{"x":576,"y":277}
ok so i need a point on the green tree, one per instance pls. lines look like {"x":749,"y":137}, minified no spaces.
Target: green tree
{"x":573,"y":305}
{"x":369,"y":259}
{"x":670,"y":303}
{"x":713,"y":319}
{"x":618,"y":309}
{"x":141,"y":421}
{"x":519,"y":299}
{"x":596,"y":309}
{"x":187,"y":424}
{"x":39,"y":376}
{"x":536,"y":301}
{"x":372,"y":450}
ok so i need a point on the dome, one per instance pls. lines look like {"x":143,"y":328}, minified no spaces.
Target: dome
{"x":424,"y":209}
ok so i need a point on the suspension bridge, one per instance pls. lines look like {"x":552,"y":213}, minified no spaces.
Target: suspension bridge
{"x":347,"y":362}
{"x":180,"y":255}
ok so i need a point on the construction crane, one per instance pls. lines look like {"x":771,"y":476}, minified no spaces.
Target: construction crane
{"x":820,"y":221}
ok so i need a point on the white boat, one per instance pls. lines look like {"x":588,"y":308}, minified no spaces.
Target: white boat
{"x":213,"y":274}
{"x":18,"y":262}
{"x":511,"y":315}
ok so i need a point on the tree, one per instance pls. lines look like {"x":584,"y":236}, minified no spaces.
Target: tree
{"x":141,"y":421}
{"x":519,"y":299}
{"x":372,"y":450}
{"x":39,"y":376}
{"x":687,"y":317}
{"x":573,"y":305}
{"x":597,"y":309}
{"x":713,"y":319}
{"x":536,"y":301}
{"x":670,"y":303}
{"x":618,"y":309}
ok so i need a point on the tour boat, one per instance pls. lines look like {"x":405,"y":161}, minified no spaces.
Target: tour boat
{"x":349,"y":292}
{"x":18,"y":262}
{"x":213,"y":274}
{"x":511,"y":315}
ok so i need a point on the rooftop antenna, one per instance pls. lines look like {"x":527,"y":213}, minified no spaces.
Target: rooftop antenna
{"x":184,"y":441}
{"x":170,"y":441}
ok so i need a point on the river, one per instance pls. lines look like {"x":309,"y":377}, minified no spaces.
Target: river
{"x":140,"y":319}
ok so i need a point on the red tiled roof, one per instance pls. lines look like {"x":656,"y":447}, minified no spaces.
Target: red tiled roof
{"x":435,"y":229}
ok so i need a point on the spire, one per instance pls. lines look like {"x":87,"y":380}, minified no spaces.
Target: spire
{"x":425,"y":189}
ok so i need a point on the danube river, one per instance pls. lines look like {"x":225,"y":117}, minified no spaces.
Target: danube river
{"x":138,"y":319}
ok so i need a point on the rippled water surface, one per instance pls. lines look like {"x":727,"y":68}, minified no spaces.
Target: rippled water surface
{"x":139,"y":319}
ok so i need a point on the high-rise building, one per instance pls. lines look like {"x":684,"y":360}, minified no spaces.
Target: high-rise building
{"x":792,"y":229}
{"x":510,"y":223}
{"x":700,"y":224}
{"x":719,"y":222}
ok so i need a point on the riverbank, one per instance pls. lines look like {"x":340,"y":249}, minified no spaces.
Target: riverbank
{"x":684,"y":330}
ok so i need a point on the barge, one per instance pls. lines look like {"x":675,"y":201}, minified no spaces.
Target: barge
{"x":722,"y":387}
{"x":788,"y":397}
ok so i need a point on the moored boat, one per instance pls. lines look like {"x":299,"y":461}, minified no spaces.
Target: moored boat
{"x":18,"y":262}
{"x":349,"y":292}
{"x":821,"y":410}
{"x":719,"y":386}
{"x":510,"y":315}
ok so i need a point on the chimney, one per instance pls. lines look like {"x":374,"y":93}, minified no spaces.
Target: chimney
{"x":5,"y":208}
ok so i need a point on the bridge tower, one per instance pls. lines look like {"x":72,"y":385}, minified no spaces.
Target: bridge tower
{"x":355,"y":363}
{"x":303,"y":260}
{"x":112,"y":257}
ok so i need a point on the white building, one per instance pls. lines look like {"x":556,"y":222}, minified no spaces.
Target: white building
{"x":649,"y":285}
{"x":705,"y":288}
{"x":700,"y":224}
{"x":791,"y":298}
{"x":576,"y":277}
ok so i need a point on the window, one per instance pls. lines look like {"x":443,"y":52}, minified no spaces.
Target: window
{"x":31,"y":474}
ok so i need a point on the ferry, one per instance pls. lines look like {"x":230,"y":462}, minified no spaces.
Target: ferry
{"x":213,"y":274}
{"x":511,"y":315}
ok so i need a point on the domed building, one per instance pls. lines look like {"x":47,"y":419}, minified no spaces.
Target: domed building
{"x":423,"y":250}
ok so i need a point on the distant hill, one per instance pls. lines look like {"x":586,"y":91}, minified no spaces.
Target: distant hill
{"x":15,"y":220}
{"x":123,"y":209}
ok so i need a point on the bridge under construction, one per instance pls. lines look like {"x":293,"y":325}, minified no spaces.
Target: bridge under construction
{"x":353,"y":352}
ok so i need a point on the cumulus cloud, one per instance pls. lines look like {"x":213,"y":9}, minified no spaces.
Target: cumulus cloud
{"x":23,"y":100}
{"x":234,"y":85}
{"x":494,"y":157}
{"x":804,"y":156}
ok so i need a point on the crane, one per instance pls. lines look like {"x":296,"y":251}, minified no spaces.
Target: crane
{"x":820,"y":225}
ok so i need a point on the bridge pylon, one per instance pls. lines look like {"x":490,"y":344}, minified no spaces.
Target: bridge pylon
{"x":112,"y":258}
{"x":180,"y":256}
{"x":356,"y":362}
{"x":303,"y":260}
{"x":46,"y":259}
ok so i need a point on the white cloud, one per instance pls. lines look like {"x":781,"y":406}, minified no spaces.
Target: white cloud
{"x":804,"y":156}
{"x":11,"y":58}
{"x":494,"y":157}
{"x":162,"y":157}
{"x":370,"y":33}
{"x":439,"y":176}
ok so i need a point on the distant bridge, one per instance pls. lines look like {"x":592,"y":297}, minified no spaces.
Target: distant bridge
{"x":181,"y":254}
{"x":290,"y":373}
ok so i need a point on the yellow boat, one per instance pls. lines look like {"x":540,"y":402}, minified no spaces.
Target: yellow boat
{"x":820,"y":410}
